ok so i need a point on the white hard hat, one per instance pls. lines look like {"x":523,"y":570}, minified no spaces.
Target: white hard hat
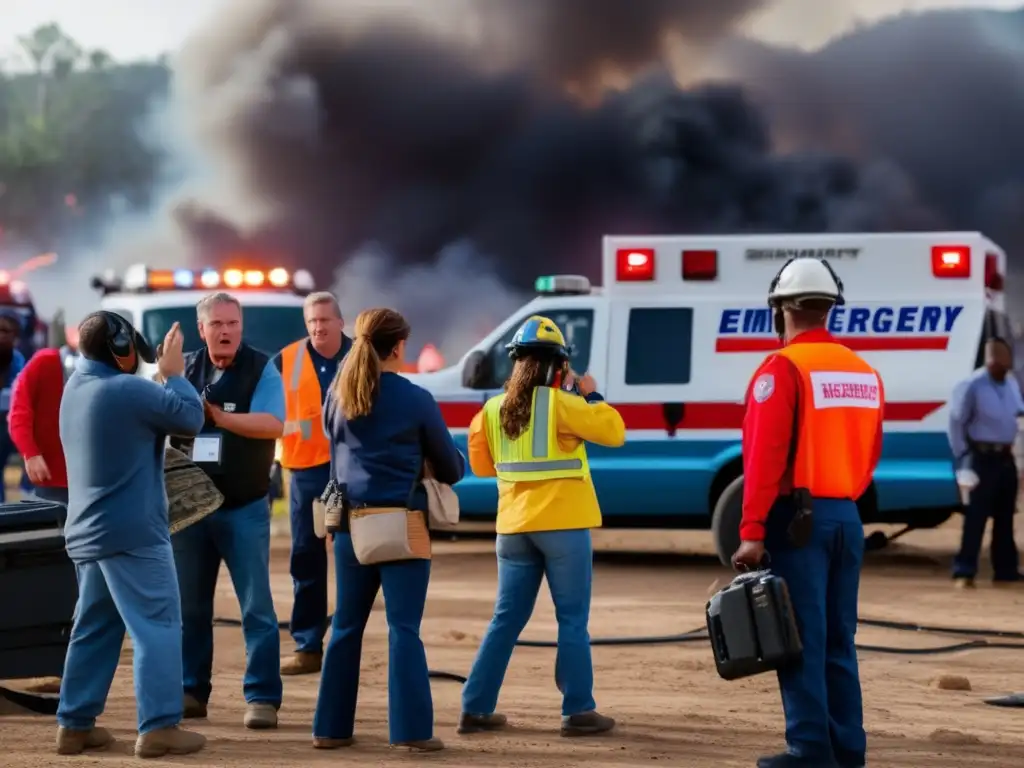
{"x":806,"y":278}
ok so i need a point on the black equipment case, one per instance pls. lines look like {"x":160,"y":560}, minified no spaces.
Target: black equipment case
{"x":752,"y":626}
{"x":38,"y":590}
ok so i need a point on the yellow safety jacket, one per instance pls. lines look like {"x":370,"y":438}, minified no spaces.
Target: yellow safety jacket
{"x":535,"y":454}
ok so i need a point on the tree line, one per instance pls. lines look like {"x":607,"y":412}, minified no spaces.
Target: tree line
{"x":72,"y":138}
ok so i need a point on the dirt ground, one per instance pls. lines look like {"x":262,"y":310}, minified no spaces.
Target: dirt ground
{"x":671,"y":706}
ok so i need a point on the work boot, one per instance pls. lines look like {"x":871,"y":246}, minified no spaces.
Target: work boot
{"x":586,"y":724}
{"x":193,"y":708}
{"x":789,"y":760}
{"x":964,"y":582}
{"x":303,"y":663}
{"x":71,"y":741}
{"x":424,"y":745}
{"x":320,"y":743}
{"x":478,"y":723}
{"x":168,"y":741}
{"x":260,"y":716}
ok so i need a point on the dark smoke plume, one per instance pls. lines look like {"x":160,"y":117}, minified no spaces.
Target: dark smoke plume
{"x":399,"y":137}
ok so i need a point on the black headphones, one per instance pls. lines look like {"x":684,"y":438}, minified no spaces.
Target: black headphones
{"x":126,"y":345}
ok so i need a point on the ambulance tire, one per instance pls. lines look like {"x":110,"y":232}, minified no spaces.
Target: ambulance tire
{"x":725,"y":521}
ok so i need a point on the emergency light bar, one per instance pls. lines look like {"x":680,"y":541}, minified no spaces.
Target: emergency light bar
{"x":139,"y":278}
{"x":562,"y":285}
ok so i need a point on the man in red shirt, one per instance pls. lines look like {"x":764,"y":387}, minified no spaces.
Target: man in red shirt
{"x":34,"y":425}
{"x":812,"y":437}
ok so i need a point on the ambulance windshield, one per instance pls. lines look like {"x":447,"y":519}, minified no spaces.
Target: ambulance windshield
{"x":576,"y":324}
{"x":268,"y":329}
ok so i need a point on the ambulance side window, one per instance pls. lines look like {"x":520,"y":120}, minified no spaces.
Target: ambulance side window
{"x":658,"y":345}
{"x":576,"y":324}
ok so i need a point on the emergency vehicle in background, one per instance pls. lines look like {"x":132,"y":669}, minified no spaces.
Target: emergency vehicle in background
{"x":154,"y":299}
{"x":681,"y":324}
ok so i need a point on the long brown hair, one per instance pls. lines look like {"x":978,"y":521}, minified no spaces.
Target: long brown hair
{"x":377,"y":333}
{"x":528,"y":373}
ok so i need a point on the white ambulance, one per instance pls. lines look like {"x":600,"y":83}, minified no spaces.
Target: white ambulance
{"x":679,"y":327}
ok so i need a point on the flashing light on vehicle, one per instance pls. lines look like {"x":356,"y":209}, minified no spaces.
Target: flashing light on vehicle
{"x":951,"y":261}
{"x":562,"y":285}
{"x":233,"y":278}
{"x":140,"y":278}
{"x":634,"y":264}
{"x":993,"y":277}
{"x":184,"y":278}
{"x":700,"y":265}
{"x":5,"y":277}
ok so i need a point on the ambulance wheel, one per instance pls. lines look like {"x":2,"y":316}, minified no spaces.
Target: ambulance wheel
{"x":875,"y":541}
{"x":726,"y":519}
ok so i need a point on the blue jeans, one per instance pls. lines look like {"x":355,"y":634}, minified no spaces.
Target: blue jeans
{"x":309,"y":560}
{"x":241,"y":539}
{"x":410,"y":704}
{"x":137,"y":589}
{"x":567,"y":559}
{"x":821,"y":697}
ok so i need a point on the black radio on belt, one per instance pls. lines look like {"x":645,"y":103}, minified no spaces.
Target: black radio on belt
{"x":752,"y":626}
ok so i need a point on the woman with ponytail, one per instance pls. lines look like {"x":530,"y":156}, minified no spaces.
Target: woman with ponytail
{"x":382,"y":429}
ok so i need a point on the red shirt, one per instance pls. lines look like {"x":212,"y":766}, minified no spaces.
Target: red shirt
{"x":768,"y":427}
{"x":34,"y":419}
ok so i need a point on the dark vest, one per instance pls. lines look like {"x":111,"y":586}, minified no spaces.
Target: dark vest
{"x":243,"y":474}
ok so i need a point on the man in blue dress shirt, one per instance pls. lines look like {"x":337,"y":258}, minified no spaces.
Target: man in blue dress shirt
{"x":982,"y":429}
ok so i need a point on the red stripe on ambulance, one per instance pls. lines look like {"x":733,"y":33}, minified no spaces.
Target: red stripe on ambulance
{"x":856,"y":343}
{"x":651,"y":416}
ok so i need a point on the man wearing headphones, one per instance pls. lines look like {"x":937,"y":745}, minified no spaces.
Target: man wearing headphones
{"x":113,"y":426}
{"x":812,"y":437}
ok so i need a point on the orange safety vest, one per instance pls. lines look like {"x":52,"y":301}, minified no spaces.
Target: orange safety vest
{"x":839,"y":410}
{"x":304,"y":443}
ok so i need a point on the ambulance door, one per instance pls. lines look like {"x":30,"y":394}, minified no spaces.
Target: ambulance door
{"x":651,"y":366}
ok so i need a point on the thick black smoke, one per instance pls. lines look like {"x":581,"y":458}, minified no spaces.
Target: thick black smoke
{"x":457,"y":131}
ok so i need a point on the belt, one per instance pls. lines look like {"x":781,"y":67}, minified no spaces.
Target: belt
{"x":1006,"y":448}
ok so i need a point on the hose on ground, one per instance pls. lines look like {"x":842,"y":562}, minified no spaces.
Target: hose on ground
{"x":700,"y":634}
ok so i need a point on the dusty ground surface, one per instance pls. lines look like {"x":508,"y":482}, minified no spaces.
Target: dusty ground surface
{"x":671,"y":706}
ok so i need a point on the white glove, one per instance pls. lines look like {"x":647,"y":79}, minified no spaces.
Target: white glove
{"x":967,"y":479}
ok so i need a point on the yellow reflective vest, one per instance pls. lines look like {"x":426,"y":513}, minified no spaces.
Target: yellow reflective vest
{"x":535,"y":454}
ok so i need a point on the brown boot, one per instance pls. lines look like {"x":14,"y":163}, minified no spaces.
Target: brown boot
{"x":425,"y":745}
{"x":193,"y":708}
{"x":75,"y":742}
{"x":478,"y":723}
{"x":303,"y":663}
{"x":260,"y":716}
{"x":168,"y":741}
{"x":586,"y":724}
{"x":319,"y":743}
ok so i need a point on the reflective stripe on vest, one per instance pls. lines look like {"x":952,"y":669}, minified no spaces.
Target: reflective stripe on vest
{"x":535,"y":454}
{"x":839,"y":412}
{"x":309,"y":446}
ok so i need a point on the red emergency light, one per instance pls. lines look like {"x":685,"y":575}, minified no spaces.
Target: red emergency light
{"x":952,"y":261}
{"x":700,"y":265}
{"x":634,"y":264}
{"x":993,"y":278}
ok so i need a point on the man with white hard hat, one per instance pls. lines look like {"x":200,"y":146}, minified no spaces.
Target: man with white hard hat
{"x":812,"y":436}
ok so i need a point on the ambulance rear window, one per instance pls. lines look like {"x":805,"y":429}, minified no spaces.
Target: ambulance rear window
{"x":658,"y":345}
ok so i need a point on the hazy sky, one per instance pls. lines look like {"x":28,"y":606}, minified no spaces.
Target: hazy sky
{"x":131,"y":29}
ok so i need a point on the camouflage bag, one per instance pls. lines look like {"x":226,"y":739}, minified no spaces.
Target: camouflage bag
{"x":191,"y":494}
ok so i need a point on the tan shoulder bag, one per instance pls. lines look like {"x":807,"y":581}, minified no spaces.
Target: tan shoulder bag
{"x":389,"y":534}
